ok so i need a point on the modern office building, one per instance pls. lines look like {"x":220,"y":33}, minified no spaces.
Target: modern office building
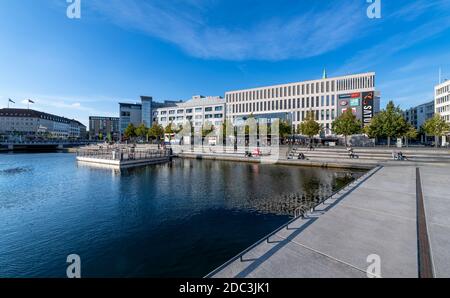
{"x":442,"y":105}
{"x":442,"y":100}
{"x":199,"y":111}
{"x":138,"y":113}
{"x":32,"y":123}
{"x":104,"y":127}
{"x":327,"y":98}
{"x":147,"y":113}
{"x":416,"y":116}
{"x":129,"y":113}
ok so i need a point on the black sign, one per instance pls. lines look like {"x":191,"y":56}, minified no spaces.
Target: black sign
{"x":367,"y":107}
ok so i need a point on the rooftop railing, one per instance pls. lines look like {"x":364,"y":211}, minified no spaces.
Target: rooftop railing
{"x":123,"y":154}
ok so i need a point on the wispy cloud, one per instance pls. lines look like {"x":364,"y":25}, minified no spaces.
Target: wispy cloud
{"x":395,"y":44}
{"x":188,"y":25}
{"x":412,"y":10}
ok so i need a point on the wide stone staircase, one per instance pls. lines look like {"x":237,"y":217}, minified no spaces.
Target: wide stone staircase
{"x":340,"y":154}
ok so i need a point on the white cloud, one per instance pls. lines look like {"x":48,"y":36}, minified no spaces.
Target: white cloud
{"x":309,"y":34}
{"x":379,"y":53}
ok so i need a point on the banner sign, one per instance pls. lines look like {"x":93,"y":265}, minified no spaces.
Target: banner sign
{"x":353,"y":95}
{"x":367,"y":107}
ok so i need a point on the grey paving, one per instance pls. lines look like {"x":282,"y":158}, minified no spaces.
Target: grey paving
{"x":378,"y":216}
{"x":436,"y":190}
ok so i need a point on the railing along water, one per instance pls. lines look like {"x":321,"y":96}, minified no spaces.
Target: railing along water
{"x":122,"y":154}
{"x":297,"y":214}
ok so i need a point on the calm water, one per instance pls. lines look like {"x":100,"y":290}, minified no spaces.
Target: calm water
{"x":178,"y":220}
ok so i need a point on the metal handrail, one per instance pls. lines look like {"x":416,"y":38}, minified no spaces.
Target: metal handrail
{"x":266,"y":238}
{"x":122,"y":153}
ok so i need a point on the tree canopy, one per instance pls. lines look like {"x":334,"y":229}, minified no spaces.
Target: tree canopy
{"x":388,"y":123}
{"x":156,"y":131}
{"x":347,"y":124}
{"x":130,"y":131}
{"x":141,"y":131}
{"x":310,"y":127}
{"x":437,"y":127}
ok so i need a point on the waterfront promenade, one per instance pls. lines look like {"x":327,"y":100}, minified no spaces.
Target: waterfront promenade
{"x":377,"y":215}
{"x":338,"y":157}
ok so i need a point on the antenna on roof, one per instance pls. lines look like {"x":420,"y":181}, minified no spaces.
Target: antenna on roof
{"x":324,"y":76}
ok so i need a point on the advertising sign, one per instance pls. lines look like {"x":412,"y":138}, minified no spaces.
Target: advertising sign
{"x":353,"y":111}
{"x":354,"y":102}
{"x":367,"y":107}
{"x":347,"y":96}
{"x":344,"y":103}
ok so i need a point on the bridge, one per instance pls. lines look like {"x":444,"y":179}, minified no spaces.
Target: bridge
{"x":41,"y":145}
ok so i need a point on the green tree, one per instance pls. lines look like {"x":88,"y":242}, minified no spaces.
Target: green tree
{"x":436,"y":127}
{"x":207,"y":129}
{"x":388,"y":123}
{"x":169,"y":128}
{"x":310,"y":127}
{"x":130,"y":131}
{"x":156,"y":131}
{"x":410,"y":133}
{"x":347,"y":124}
{"x":375,"y":128}
{"x":393,"y":123}
{"x":100,"y":136}
{"x":141,"y":131}
{"x":285,"y":129}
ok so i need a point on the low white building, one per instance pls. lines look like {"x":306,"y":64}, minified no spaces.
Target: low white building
{"x":442,"y":103}
{"x":32,"y":123}
{"x":442,"y":100}
{"x":198,"y":111}
{"x":327,"y":98}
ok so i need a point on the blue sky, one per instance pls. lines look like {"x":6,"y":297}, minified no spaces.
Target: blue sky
{"x":173,"y":49}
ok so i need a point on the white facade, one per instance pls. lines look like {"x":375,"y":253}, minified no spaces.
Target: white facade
{"x":31,"y":122}
{"x":442,"y":100}
{"x":198,"y":111}
{"x":297,"y":99}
